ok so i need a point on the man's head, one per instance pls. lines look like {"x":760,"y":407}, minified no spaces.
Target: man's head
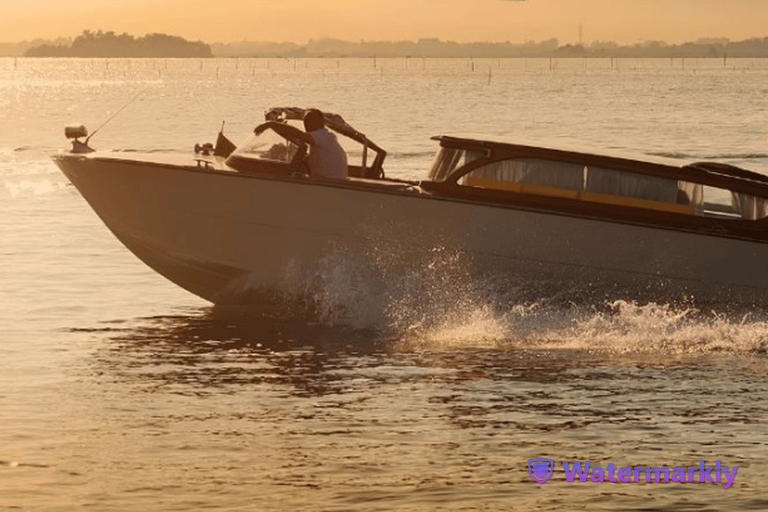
{"x":313,"y":120}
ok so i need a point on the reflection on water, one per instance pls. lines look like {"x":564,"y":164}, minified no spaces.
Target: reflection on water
{"x":229,"y":347}
{"x":218,"y":408}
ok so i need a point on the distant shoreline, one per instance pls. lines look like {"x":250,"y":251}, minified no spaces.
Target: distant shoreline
{"x":111,"y":45}
{"x":386,"y":57}
{"x":551,"y":48}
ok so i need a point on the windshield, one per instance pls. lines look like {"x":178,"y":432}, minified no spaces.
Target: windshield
{"x":270,"y":146}
{"x":448,"y":160}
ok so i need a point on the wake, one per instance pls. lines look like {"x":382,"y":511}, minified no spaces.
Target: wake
{"x":437,"y":304}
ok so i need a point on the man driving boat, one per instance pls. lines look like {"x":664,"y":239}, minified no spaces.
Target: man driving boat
{"x":326,"y":159}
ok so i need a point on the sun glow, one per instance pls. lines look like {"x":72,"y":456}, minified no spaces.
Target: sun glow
{"x":623,"y":21}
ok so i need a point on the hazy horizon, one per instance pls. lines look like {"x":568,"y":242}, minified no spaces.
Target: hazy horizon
{"x":298,"y":21}
{"x":703,"y":38}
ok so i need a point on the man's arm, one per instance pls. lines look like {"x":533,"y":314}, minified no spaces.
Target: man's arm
{"x":286,"y":130}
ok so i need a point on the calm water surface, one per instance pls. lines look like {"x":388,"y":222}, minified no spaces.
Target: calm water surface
{"x":119,"y":391}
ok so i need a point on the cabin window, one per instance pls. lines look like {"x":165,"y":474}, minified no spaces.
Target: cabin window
{"x":269,"y":146}
{"x":446,"y":161}
{"x":629,"y":184}
{"x":605,"y":185}
{"x":529,"y":175}
{"x":718,"y":202}
{"x":749,"y":207}
{"x":691,"y":193}
{"x":593,"y":184}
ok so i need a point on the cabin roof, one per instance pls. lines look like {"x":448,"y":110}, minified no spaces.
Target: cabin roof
{"x":518,"y":144}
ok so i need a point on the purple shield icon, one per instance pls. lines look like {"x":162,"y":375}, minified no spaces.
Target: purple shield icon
{"x":541,"y":469}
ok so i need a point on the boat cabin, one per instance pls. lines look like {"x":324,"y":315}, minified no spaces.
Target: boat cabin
{"x":699,"y":189}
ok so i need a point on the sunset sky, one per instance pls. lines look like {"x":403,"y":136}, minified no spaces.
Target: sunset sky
{"x":623,"y":21}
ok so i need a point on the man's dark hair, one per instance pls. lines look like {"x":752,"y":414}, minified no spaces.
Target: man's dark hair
{"x":313,"y":120}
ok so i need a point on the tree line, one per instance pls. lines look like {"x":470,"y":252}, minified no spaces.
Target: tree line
{"x":110,"y":44}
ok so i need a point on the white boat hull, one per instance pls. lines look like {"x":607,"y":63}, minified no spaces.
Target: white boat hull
{"x":224,"y":236}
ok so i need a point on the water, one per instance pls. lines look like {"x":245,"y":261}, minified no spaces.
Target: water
{"x":119,"y":391}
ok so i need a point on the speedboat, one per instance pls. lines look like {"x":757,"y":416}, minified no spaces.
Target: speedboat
{"x":251,"y":224}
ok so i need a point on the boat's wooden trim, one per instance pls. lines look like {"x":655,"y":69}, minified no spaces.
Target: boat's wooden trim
{"x":548,"y":190}
{"x":595,"y":197}
{"x":475,"y":181}
{"x":637,"y":203}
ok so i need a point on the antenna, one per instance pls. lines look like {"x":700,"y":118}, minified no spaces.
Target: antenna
{"x":112,"y":117}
